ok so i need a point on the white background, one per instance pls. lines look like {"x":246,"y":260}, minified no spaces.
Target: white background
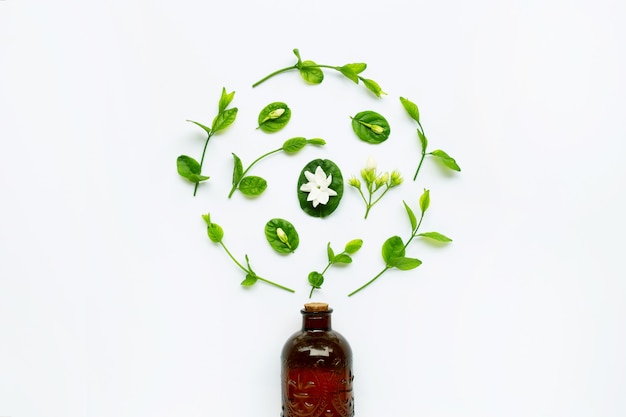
{"x":113,"y":302}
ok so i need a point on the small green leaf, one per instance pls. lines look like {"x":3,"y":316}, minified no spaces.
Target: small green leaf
{"x":342,"y":258}
{"x":371,"y":127}
{"x":294,"y":145}
{"x":330,"y":253}
{"x":249,"y":281}
{"x":357,"y":67}
{"x":274,"y":117}
{"x":404,"y":264}
{"x":275,"y":228}
{"x":310,"y":72}
{"x":411,"y":215}
{"x":252,"y":185}
{"x":446,"y":159}
{"x":189,"y":169}
{"x":373,"y":87}
{"x":316,"y":141}
{"x":436,"y":236}
{"x":224,"y":119}
{"x":353,"y":246}
{"x":423,"y":140}
{"x":225,"y":100}
{"x":393,"y":248}
{"x":330,"y":169}
{"x":215,"y":232}
{"x":205,"y":128}
{"x":425,"y":200}
{"x":316,"y":279}
{"x":411,"y":109}
{"x":237,"y":170}
{"x":296,"y":52}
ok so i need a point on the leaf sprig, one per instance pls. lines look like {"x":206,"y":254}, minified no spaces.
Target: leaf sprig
{"x":413,"y":111}
{"x":187,"y":166}
{"x":216,"y":235}
{"x":394,"y":249}
{"x":312,"y":73}
{"x":254,"y":185}
{"x":316,"y":279}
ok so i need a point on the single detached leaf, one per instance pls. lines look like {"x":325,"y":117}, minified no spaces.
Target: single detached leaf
{"x":342,"y":258}
{"x":373,"y":87}
{"x":393,"y":248}
{"x":425,"y":200}
{"x":224,"y":119}
{"x":404,"y":263}
{"x":353,"y":246}
{"x":436,"y":236}
{"x":281,"y":235}
{"x":225,"y":100}
{"x":189,"y":169}
{"x":252,"y":185}
{"x":411,"y":215}
{"x":237,"y":170}
{"x":411,"y":108}
{"x":274,"y":117}
{"x":330,"y":253}
{"x":294,"y":145}
{"x":332,"y":172}
{"x":249,"y":281}
{"x":446,"y":159}
{"x":371,"y":127}
{"x":311,"y":72}
{"x":215,"y":232}
{"x":316,"y":279}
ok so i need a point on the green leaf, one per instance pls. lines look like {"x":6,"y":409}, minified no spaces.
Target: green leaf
{"x":189,"y":168}
{"x":296,"y":52}
{"x":373,"y":87}
{"x":411,"y":215}
{"x":353,"y":246}
{"x":404,"y":263}
{"x":425,"y":200}
{"x":371,"y":127}
{"x":311,"y":73}
{"x":393,"y":248}
{"x":237,"y":170}
{"x":274,"y":117}
{"x":357,"y":67}
{"x":342,"y":258}
{"x":316,"y":279}
{"x":252,"y":185}
{"x":330,"y":168}
{"x":215,"y":232}
{"x":225,"y":100}
{"x":423,"y":140}
{"x":249,"y":281}
{"x":289,"y":241}
{"x":316,"y":141}
{"x":411,"y":109}
{"x":446,"y":159}
{"x":205,"y":128}
{"x":224,"y":119}
{"x":436,"y":236}
{"x":294,"y":145}
{"x":330,"y":253}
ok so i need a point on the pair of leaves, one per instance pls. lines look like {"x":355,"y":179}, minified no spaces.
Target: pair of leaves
{"x":281,"y":235}
{"x":393,"y":252}
{"x":274,"y":117}
{"x":371,"y":127}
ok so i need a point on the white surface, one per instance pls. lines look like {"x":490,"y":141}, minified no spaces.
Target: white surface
{"x":114,"y":302}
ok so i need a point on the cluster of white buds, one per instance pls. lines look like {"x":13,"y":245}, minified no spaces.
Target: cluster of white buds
{"x":374,"y":181}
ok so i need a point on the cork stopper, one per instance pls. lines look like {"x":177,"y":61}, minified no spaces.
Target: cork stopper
{"x":314,"y":307}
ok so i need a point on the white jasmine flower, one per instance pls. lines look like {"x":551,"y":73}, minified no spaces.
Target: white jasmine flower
{"x":317,"y":187}
{"x":371,"y":163}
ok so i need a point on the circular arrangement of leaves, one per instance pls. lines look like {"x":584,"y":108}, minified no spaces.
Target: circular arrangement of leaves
{"x":371,"y":127}
{"x":332,"y":173}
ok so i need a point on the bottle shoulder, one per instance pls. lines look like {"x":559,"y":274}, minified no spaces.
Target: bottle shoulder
{"x":328,"y":343}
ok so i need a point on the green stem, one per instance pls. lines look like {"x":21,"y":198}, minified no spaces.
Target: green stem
{"x":250,"y":166}
{"x":273,"y":74}
{"x":369,"y":282}
{"x":274,"y":284}
{"x":202,"y":161}
{"x":423,"y":153}
{"x":233,"y":258}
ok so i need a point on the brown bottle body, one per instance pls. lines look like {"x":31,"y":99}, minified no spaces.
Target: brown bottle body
{"x":317,"y":369}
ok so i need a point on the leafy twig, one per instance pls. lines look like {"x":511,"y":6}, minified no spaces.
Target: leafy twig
{"x":316,"y":279}
{"x":312,"y":73}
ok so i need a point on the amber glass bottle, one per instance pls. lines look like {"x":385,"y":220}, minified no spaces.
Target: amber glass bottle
{"x":317,"y":368}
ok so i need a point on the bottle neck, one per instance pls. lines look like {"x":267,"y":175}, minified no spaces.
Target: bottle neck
{"x":316,"y":320}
